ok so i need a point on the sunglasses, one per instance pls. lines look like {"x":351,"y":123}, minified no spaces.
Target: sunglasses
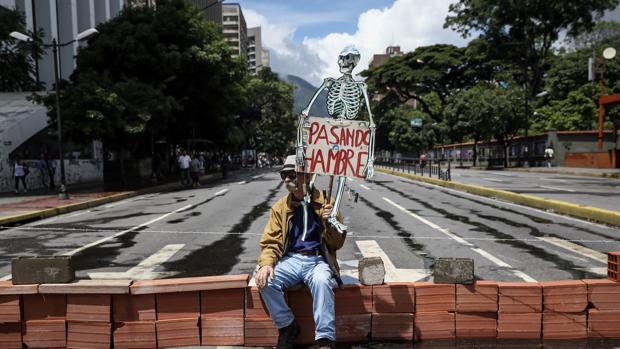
{"x":289,"y":174}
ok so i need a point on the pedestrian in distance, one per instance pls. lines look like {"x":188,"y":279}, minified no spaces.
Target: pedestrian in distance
{"x":20,"y":171}
{"x":184,"y":163}
{"x":549,"y":154}
{"x":195,"y":166}
{"x":293,"y":252}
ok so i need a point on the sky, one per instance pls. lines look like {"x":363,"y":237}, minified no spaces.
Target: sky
{"x":305,"y":37}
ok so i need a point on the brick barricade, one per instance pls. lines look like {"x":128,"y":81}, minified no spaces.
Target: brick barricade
{"x":226,"y":312}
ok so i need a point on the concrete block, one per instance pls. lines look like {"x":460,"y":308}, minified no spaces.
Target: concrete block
{"x":42,"y":270}
{"x":371,"y":271}
{"x":453,"y":271}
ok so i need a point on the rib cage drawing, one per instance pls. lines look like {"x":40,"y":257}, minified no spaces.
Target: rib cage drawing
{"x":344,"y":100}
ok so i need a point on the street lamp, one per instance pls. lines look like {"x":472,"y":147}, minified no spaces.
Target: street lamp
{"x":63,"y":195}
{"x":608,"y":54}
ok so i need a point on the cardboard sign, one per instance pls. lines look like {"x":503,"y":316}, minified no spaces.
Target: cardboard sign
{"x":337,"y":147}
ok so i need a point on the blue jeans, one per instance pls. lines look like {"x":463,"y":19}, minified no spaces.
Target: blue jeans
{"x":315,"y":273}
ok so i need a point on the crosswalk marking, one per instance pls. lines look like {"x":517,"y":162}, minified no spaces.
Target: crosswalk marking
{"x":145,"y":270}
{"x":370,"y":248}
{"x":365,"y":187}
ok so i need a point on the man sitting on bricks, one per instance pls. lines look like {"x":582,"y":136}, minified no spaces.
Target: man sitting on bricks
{"x":291,"y":254}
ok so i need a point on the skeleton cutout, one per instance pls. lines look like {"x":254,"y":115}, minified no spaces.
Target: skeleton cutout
{"x":344,"y":98}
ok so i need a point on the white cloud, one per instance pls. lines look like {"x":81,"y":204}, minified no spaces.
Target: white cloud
{"x":407,"y":23}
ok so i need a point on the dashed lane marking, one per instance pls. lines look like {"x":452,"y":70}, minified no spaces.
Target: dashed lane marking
{"x":365,"y":187}
{"x":578,"y":249}
{"x":556,"y":188}
{"x":493,"y":180}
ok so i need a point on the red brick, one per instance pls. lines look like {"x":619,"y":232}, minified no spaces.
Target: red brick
{"x":476,"y":325}
{"x":45,"y":306}
{"x":300,"y":302}
{"x":134,"y":334}
{"x":307,"y":330}
{"x":93,"y":335}
{"x":353,"y":299}
{"x":430,"y":297}
{"x":570,"y":296}
{"x":7,"y":288}
{"x":201,"y":283}
{"x":222,"y":331}
{"x":603,"y":294}
{"x":9,"y":309}
{"x":564,"y":325}
{"x":89,"y":307}
{"x":44,"y":334}
{"x":128,"y":308}
{"x":394,"y":297}
{"x":604,"y":324}
{"x":613,"y":276}
{"x":480,"y":297}
{"x":519,"y":326}
{"x":353,"y":327}
{"x":392,"y":326}
{"x":613,"y":257}
{"x":228,"y":303}
{"x":520,"y":297}
{"x":177,"y":332}
{"x":11,"y":335}
{"x":434,"y":325}
{"x":255,"y":307}
{"x":178,"y":305}
{"x":613,"y":267}
{"x":260,"y":332}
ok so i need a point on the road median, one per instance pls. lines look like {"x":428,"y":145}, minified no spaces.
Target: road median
{"x":574,"y":210}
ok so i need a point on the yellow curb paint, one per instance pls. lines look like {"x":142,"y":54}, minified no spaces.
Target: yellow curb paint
{"x":579,"y":211}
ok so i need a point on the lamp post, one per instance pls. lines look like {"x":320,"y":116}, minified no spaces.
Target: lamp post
{"x":608,"y":54}
{"x":63,"y":195}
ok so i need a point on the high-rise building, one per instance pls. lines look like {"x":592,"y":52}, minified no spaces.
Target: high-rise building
{"x":258,"y":57}
{"x":63,"y":20}
{"x":235,"y":29}
{"x":211,"y":9}
{"x":380,"y":59}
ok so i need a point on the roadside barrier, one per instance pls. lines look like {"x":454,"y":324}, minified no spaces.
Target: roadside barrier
{"x":223,"y":310}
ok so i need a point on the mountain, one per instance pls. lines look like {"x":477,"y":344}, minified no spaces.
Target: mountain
{"x":303,"y":94}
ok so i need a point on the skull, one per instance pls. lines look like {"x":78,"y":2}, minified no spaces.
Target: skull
{"x":348,"y":59}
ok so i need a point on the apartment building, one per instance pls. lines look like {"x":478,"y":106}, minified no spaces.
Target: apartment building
{"x":258,"y":57}
{"x":235,"y":29}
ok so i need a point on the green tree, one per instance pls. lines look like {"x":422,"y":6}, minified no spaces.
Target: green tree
{"x":523,"y":33}
{"x":17,"y":58}
{"x":475,"y":113}
{"x":576,"y":112}
{"x":268,"y":119}
{"x":154,"y":73}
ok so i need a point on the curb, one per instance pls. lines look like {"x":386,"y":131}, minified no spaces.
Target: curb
{"x":55,"y":211}
{"x":582,"y":174}
{"x":580,"y":211}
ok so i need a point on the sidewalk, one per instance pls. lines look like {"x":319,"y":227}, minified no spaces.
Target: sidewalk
{"x":575,"y":171}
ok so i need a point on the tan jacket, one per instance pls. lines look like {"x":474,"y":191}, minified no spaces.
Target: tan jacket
{"x":274,"y":242}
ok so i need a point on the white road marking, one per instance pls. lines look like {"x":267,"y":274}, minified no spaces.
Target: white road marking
{"x":429,"y":223}
{"x":365,"y":187}
{"x":100,"y":241}
{"x":578,"y":249}
{"x":480,"y":251}
{"x":257,"y":176}
{"x":493,"y":180}
{"x":554,"y":180}
{"x":597,"y":270}
{"x":370,"y":248}
{"x":556,"y":188}
{"x":6,"y":278}
{"x":78,"y":214}
{"x":501,"y":263}
{"x":503,"y":174}
{"x":144,"y":270}
{"x":221,"y":192}
{"x":242,"y":182}
{"x":484,"y":198}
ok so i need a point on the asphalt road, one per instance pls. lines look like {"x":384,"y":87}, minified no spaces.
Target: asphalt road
{"x":215,"y":230}
{"x":590,"y":191}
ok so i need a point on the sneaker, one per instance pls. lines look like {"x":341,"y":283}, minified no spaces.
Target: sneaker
{"x":287,"y":335}
{"x":325,"y":343}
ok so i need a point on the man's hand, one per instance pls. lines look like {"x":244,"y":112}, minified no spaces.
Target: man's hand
{"x":264,"y":274}
{"x":327,"y":210}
